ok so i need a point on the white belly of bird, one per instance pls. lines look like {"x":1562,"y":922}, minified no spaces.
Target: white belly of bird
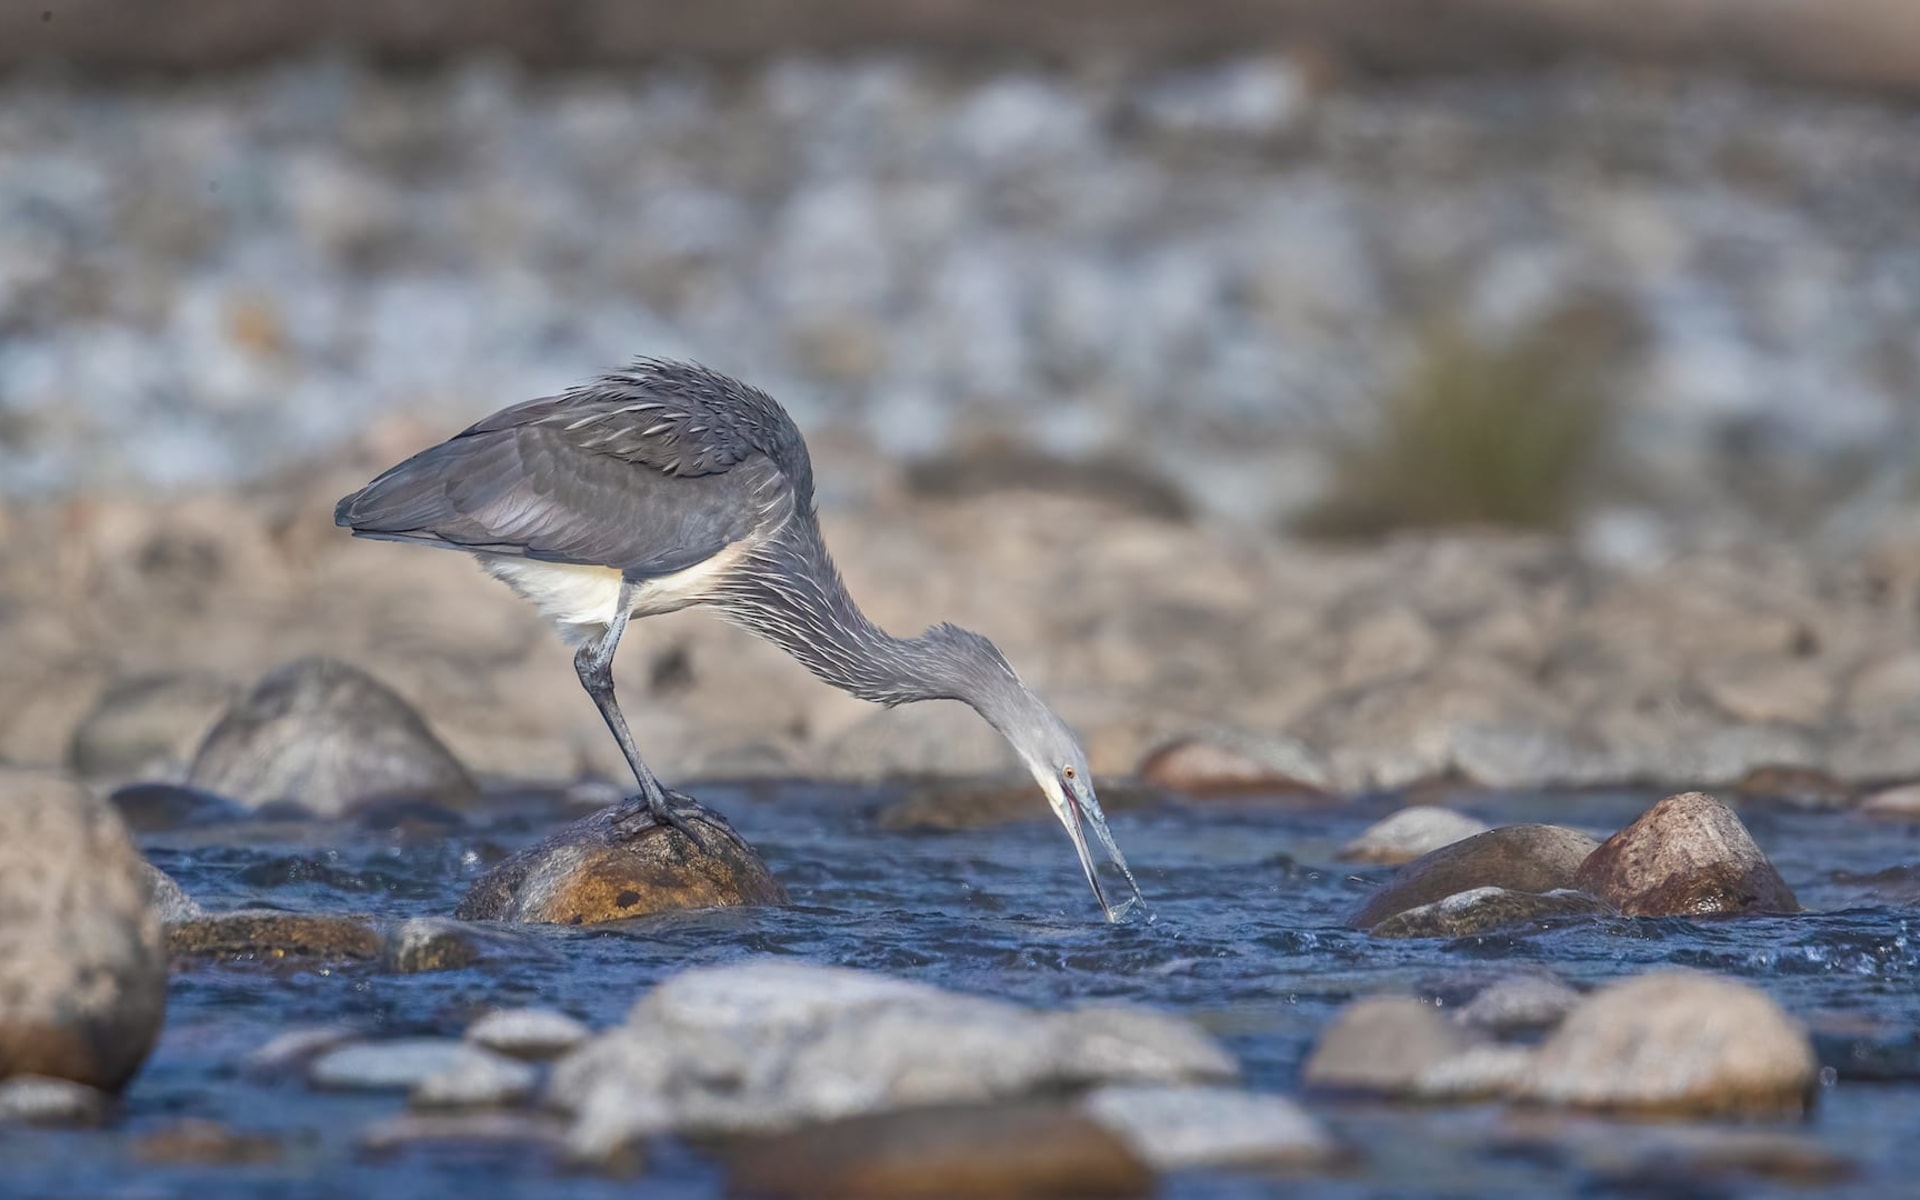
{"x":581,"y":601}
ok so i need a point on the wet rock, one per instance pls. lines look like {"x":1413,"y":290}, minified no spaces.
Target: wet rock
{"x":1481,"y":909}
{"x":1410,"y":833}
{"x":41,"y":1100}
{"x":951,"y":806}
{"x":329,"y":737}
{"x":292,"y":1052}
{"x":442,"y":944}
{"x":1477,"y":1073}
{"x":1901,"y":803}
{"x":598,"y":870}
{"x":1677,"y":1043}
{"x":1521,"y":858}
{"x":1383,"y":1044}
{"x":1518,"y":1004}
{"x":480,"y":1080}
{"x":266,"y":935}
{"x":1023,"y":1151}
{"x":1228,"y":761}
{"x":168,"y":898}
{"x":771,"y":1045}
{"x":83,"y":967}
{"x":1182,"y":1128}
{"x":531,"y":1034}
{"x":149,"y":726}
{"x":195,"y":1142}
{"x":1688,"y":855}
{"x":395,"y":1066}
{"x":161,"y":807}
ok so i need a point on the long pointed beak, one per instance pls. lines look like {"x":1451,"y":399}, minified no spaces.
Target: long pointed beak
{"x":1086,"y":812}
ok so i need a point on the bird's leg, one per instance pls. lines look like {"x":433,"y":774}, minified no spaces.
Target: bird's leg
{"x":594,"y":663}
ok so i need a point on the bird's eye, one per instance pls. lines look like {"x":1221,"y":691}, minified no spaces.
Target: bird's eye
{"x":1069,"y":772}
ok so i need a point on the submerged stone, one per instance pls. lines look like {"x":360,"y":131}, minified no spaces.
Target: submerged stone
{"x":268,"y":935}
{"x":1520,"y":858}
{"x":532,"y":1034}
{"x":1688,"y":855}
{"x":1465,"y":913}
{"x":42,"y":1100}
{"x":601,"y":869}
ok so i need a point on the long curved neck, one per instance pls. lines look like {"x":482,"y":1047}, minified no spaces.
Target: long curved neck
{"x":789,"y":592}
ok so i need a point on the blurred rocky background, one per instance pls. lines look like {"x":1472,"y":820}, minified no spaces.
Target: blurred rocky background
{"x":1356,"y":394}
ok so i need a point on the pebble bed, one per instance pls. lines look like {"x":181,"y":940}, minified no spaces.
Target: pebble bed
{"x":202,"y":281}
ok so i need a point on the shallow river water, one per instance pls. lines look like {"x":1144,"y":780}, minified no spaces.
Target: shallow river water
{"x":1248,"y":941}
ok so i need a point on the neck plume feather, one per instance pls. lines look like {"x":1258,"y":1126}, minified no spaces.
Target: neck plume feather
{"x":789,"y":592}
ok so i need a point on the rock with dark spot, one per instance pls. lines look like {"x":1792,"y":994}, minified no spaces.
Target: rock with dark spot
{"x":1521,"y":858}
{"x":1383,"y":1044}
{"x":1031,"y":1150}
{"x":149,"y":725}
{"x":168,"y":898}
{"x":83,"y":964}
{"x":266,"y":935}
{"x":1481,"y":909}
{"x":1677,"y":1043}
{"x":161,"y":807}
{"x":1409,"y":833}
{"x":329,"y":737}
{"x":598,"y":869}
{"x":1688,"y":855}
{"x":41,"y":1100}
{"x":197,"y":1142}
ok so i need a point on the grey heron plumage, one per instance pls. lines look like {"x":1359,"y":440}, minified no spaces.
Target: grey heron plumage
{"x":669,"y":485}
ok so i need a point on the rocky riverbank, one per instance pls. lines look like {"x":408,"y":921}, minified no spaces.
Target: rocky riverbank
{"x":1191,"y":654}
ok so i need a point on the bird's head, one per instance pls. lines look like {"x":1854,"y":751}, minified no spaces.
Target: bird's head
{"x":1049,"y":750}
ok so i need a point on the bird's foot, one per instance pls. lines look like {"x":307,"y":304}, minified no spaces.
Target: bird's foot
{"x":671,"y":809}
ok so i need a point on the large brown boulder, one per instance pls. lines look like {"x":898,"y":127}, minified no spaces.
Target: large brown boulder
{"x":329,"y":737}
{"x":1688,"y":855}
{"x":603,"y":869}
{"x":1678,"y":1043}
{"x":83,"y":968}
{"x":1520,"y":858}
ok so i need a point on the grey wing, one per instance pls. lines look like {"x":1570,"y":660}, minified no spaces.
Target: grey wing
{"x":531,"y":491}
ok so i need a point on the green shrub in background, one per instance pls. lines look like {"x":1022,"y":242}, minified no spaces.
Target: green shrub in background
{"x":1513,"y":433}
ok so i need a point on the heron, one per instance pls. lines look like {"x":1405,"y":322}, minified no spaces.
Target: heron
{"x":669,"y":485}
